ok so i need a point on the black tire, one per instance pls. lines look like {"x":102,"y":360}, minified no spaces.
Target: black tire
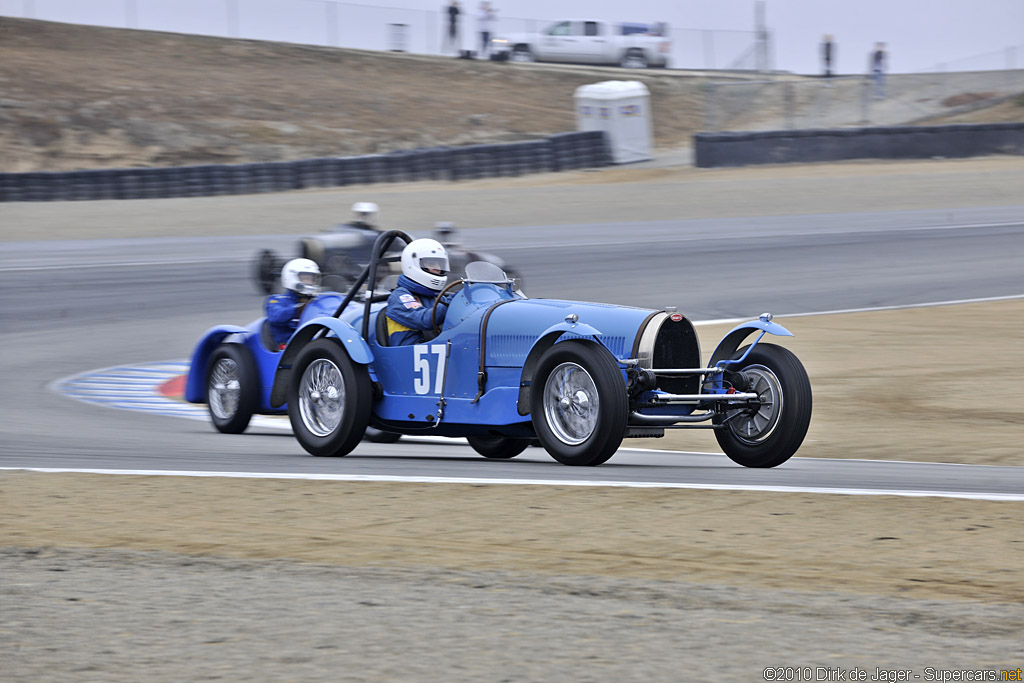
{"x":601,"y":429}
{"x":377,"y":436}
{"x":328,"y":426}
{"x":774,"y":434}
{"x":497,"y":447}
{"x":522,"y":53}
{"x":231,"y":408}
{"x":634,"y":58}
{"x":267,"y":271}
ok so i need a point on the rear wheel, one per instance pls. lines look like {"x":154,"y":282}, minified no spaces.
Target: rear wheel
{"x":498,"y":447}
{"x":769,"y":433}
{"x":232,"y":388}
{"x":634,"y":59}
{"x":579,"y":404}
{"x":329,"y":399}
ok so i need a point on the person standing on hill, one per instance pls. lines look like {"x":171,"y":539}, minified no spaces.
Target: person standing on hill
{"x":485,"y":23}
{"x":451,"y":41}
{"x":828,"y":55}
{"x":879,"y":64}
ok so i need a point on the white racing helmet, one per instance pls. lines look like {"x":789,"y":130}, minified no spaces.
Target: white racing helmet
{"x":364,"y":212}
{"x":302,"y":276}
{"x":420,"y":257}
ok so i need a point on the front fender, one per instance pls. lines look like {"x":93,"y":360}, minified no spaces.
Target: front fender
{"x":355,"y":346}
{"x":544,"y":342}
{"x":730,"y":342}
{"x":195,"y":386}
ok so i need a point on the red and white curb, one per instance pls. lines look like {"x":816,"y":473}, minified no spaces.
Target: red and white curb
{"x":157,"y":388}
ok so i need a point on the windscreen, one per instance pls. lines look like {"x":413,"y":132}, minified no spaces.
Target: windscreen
{"x":482,"y":271}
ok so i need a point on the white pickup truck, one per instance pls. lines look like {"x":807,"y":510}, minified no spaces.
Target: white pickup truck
{"x":581,"y":41}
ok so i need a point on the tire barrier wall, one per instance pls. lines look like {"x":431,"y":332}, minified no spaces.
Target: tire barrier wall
{"x":897,"y":142}
{"x":561,"y":152}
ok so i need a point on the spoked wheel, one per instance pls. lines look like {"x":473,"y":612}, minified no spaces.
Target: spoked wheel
{"x":770,"y":432}
{"x":267,"y":271}
{"x":232,"y":387}
{"x":329,"y":399}
{"x":498,"y":447}
{"x":579,"y":403}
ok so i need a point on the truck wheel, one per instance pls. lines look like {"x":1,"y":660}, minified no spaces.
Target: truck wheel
{"x":579,"y":403}
{"x":497,"y":447}
{"x":522,"y":53}
{"x":771,"y":434}
{"x":232,"y":388}
{"x":329,"y":399}
{"x":634,"y":59}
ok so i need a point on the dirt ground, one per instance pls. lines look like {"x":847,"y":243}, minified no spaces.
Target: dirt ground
{"x":881,"y":381}
{"x":925,"y":548}
{"x":88,"y":97}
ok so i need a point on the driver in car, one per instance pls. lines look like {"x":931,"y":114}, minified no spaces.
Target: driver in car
{"x":300,"y":279}
{"x":424,"y":275}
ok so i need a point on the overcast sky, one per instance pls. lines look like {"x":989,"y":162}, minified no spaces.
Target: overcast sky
{"x":920,"y":35}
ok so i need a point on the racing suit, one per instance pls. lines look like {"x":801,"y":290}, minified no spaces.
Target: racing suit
{"x":408,"y":312}
{"x":283,"y":312}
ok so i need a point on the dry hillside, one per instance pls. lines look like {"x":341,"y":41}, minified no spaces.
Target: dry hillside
{"x":87,"y":97}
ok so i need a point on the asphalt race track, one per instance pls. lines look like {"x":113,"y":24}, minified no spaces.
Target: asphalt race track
{"x":72,"y":307}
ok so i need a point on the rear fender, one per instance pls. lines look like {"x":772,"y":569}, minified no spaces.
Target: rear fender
{"x":350,"y":340}
{"x":544,"y":342}
{"x":195,"y":386}
{"x":726,"y":348}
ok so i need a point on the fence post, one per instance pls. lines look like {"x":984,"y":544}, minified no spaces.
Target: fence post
{"x":709,"y":106}
{"x":232,"y":10}
{"x":332,"y":23}
{"x":865,"y":100}
{"x":708,"y":38}
{"x":787,"y":103}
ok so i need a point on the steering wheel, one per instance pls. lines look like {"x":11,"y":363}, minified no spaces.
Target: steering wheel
{"x":433,"y":310}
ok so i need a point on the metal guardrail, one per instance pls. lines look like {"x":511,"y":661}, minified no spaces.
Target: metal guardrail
{"x":564,"y":151}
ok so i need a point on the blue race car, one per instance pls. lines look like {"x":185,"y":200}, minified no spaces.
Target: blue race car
{"x":503,"y":370}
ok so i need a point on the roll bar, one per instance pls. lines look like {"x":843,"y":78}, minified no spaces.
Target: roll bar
{"x":369,"y":274}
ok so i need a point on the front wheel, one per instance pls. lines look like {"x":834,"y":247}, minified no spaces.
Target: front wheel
{"x":498,"y":447}
{"x":521,"y":53}
{"x":579,"y":403}
{"x":232,"y":388}
{"x":329,"y":399}
{"x":769,"y":433}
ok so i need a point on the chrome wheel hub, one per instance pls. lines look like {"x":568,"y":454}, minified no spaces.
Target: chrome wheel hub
{"x":225,"y":389}
{"x":321,"y":397}
{"x":571,"y":403}
{"x":755,"y":426}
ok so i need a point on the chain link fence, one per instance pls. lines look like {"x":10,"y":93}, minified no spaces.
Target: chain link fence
{"x":788,"y":102}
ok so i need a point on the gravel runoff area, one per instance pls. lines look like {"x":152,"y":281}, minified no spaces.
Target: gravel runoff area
{"x":145,"y":578}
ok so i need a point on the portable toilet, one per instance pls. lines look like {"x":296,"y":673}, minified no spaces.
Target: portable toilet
{"x":622,"y":109}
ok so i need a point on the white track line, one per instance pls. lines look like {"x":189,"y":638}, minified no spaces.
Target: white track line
{"x":1012,"y":497}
